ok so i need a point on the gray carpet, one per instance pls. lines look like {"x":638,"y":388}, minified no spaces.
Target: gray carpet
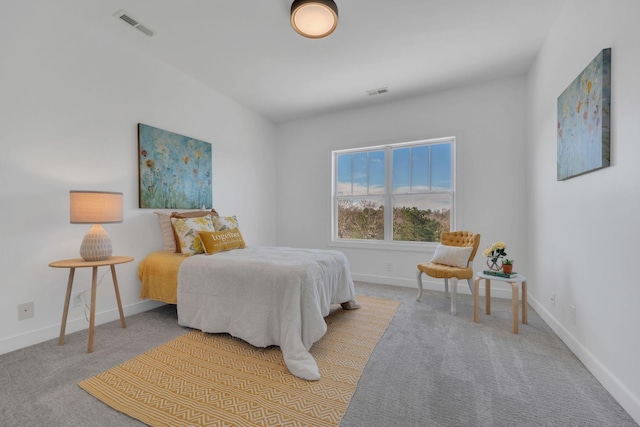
{"x":429,"y":369}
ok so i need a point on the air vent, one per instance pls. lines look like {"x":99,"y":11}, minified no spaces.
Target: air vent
{"x":378,"y":91}
{"x":145,"y":30}
{"x":129,"y":20}
{"x":133,"y":22}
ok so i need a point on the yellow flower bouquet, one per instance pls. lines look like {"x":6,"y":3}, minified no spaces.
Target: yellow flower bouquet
{"x":494,"y":253}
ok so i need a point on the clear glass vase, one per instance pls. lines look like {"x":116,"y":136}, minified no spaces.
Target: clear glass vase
{"x":493,"y":265}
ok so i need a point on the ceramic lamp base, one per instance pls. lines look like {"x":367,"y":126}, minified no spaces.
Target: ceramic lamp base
{"x":96,"y":245}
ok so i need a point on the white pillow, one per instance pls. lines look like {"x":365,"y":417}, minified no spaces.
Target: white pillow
{"x":168,"y":239}
{"x":454,"y":256}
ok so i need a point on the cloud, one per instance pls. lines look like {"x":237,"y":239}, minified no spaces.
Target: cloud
{"x":344,"y":189}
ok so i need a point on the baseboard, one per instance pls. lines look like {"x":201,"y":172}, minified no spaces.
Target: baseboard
{"x":614,"y":386}
{"x":431,"y":284}
{"x":384,"y":280}
{"x":30,"y":338}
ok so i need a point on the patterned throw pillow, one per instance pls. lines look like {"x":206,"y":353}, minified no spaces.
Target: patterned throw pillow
{"x":189,"y":214}
{"x":187,"y":231}
{"x":221,"y":223}
{"x":218,"y":241}
{"x":169,"y":239}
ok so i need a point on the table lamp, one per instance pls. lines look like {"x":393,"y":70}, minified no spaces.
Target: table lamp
{"x":95,"y":207}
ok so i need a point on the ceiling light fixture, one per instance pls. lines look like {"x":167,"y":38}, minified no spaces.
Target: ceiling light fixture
{"x":314,"y":18}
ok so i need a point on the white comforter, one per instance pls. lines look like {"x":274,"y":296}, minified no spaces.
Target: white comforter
{"x":266,"y":296}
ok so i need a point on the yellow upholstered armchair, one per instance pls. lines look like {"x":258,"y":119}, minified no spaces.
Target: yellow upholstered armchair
{"x":453,"y":260}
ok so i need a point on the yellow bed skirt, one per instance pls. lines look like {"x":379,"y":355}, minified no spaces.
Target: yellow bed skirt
{"x":158,"y":273}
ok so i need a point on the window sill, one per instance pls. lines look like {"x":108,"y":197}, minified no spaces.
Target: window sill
{"x":385,"y":246}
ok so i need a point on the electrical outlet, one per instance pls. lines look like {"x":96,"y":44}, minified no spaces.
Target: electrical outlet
{"x":389,"y":266}
{"x":553,"y":299}
{"x":77,"y":300}
{"x":25,"y":311}
{"x":572,"y":313}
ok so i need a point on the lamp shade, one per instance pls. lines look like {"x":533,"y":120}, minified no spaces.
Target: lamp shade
{"x":95,"y":207}
{"x":314,"y":18}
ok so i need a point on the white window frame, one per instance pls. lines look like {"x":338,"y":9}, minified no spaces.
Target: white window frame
{"x":388,"y":242}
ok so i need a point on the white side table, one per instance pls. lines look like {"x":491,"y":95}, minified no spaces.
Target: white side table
{"x":513,"y":281}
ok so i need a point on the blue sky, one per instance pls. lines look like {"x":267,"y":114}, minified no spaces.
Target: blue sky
{"x":411,"y":170}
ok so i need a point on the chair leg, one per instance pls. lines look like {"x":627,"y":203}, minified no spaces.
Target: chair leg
{"x":470,"y":283}
{"x":454,"y":291}
{"x":419,"y":279}
{"x":446,"y":287}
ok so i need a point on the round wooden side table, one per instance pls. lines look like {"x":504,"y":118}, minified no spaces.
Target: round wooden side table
{"x":72,"y":264}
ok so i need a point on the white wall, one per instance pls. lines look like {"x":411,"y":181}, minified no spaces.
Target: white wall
{"x":488,"y":123}
{"x":70,"y":100}
{"x":582,"y":232}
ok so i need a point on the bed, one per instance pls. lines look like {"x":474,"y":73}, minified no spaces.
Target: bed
{"x":263,"y":295}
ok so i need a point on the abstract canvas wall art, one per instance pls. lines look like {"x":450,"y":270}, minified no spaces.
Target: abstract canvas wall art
{"x":174,"y":170}
{"x":583,"y":120}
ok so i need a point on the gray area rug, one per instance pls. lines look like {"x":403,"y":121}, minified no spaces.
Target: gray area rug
{"x":429,"y":369}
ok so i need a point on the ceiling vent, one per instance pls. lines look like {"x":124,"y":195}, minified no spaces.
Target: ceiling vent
{"x":133,"y":22}
{"x":378,"y":91}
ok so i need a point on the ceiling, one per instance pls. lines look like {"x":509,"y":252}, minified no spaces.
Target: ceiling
{"x":247,"y":50}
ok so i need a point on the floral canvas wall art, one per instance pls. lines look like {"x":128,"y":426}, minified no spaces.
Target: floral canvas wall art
{"x":583,"y":120}
{"x":174,"y":170}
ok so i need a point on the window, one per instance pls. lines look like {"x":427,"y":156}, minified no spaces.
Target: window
{"x":394,"y":193}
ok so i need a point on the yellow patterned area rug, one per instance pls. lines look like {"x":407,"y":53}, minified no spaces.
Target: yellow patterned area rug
{"x":203,"y":379}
